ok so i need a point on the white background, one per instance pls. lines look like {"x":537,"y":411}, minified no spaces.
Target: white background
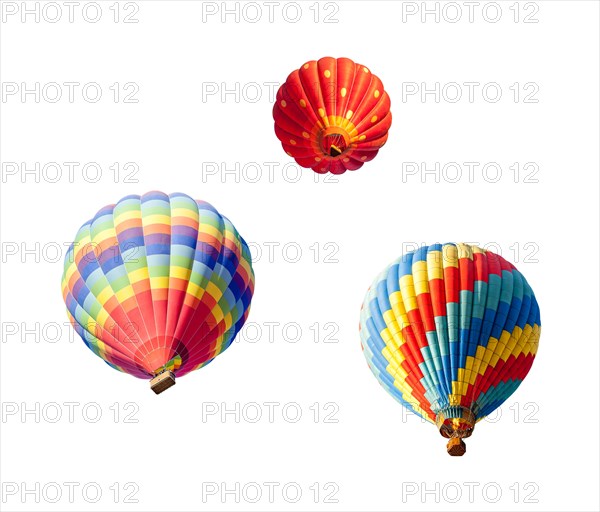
{"x":544,"y":441}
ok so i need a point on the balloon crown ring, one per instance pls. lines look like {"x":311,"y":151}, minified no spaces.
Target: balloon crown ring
{"x":455,"y":423}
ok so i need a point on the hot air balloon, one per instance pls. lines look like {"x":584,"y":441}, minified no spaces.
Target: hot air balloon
{"x":332,"y":115}
{"x":450,"y":331}
{"x":158,"y":285}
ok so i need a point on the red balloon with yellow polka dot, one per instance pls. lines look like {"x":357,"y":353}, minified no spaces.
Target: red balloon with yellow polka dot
{"x":332,"y":115}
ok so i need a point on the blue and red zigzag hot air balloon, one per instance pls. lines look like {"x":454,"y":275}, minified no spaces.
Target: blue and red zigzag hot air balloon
{"x":450,"y":331}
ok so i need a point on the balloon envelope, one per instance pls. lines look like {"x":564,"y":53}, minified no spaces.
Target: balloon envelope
{"x":450,"y":331}
{"x":332,"y":115}
{"x":158,"y":283}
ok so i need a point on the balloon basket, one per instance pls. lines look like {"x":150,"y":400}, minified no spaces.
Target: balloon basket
{"x":162,"y":381}
{"x":456,"y":447}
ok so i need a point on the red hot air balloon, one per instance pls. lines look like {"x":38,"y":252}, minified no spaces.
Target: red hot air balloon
{"x":332,"y":115}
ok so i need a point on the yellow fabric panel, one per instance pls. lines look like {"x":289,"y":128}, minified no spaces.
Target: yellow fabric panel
{"x":180,"y":272}
{"x":194,"y":290}
{"x":138,"y":275}
{"x":395,"y":355}
{"x":471,"y":373}
{"x":465,"y":251}
{"x":400,"y":312}
{"x":102,"y":317}
{"x":393,"y":327}
{"x":217,"y":313}
{"x":402,"y":385}
{"x":72,"y":268}
{"x":157,"y":218}
{"x":389,"y":340}
{"x":450,"y":256}
{"x":397,"y":372}
{"x":127,"y":215}
{"x":455,"y":397}
{"x":108,"y":233}
{"x":435,"y":268}
{"x":184,"y":212}
{"x":395,"y":298}
{"x":408,"y":292}
{"x":420,"y":278}
{"x":460,"y":382}
{"x":105,"y":294}
{"x":502,"y":343}
{"x":124,"y":293}
{"x":157,"y":283}
{"x":484,"y":364}
{"x":389,"y":357}
{"x":213,"y":290}
{"x":509,"y":348}
{"x":489,"y":351}
{"x":210,"y":230}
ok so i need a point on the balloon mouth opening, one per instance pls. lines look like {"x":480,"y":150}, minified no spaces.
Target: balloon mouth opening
{"x":456,"y":423}
{"x":334,"y":142}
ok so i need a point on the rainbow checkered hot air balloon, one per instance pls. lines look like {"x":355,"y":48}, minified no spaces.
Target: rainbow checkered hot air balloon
{"x":158,"y":285}
{"x":332,"y":115}
{"x":450,"y":331}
